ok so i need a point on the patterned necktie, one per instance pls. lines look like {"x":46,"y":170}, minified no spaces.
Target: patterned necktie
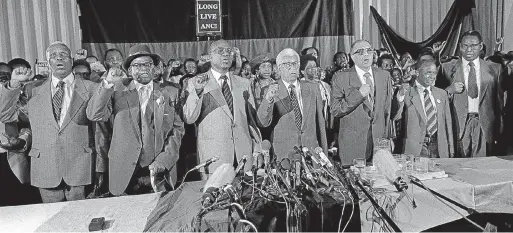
{"x":369,"y":82}
{"x":143,"y":97}
{"x":57,"y":99}
{"x":227,"y":93}
{"x":430,"y":114}
{"x":472,"y":81}
{"x":295,"y":105}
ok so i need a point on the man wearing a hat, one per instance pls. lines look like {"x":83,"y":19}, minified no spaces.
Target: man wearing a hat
{"x":147,"y":130}
{"x":262,"y":66}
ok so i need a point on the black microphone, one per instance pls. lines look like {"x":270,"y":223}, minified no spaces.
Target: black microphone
{"x":209,"y":196}
{"x":386,"y":164}
{"x":206,"y":163}
{"x":285,"y":165}
{"x":241,"y":165}
{"x":324,"y":159}
{"x":296,"y":161}
{"x":310,"y":156}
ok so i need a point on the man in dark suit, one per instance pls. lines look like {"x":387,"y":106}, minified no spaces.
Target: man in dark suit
{"x":427,"y":116}
{"x":477,"y":98}
{"x":362,"y":98}
{"x":147,"y":130}
{"x":61,"y":157}
{"x":293,"y":109}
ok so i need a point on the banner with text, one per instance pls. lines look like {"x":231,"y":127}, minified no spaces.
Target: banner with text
{"x":208,"y":17}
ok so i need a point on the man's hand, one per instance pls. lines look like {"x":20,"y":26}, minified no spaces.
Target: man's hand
{"x":365,"y":90}
{"x":114,"y":75}
{"x":456,"y":88}
{"x":401,"y":91}
{"x":200,"y":81}
{"x":157,"y":167}
{"x":438,"y":46}
{"x":272,"y":92}
{"x":20,"y":75}
{"x":80,"y":54}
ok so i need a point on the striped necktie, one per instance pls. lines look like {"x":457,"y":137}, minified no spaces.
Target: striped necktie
{"x":57,"y":99}
{"x":371,"y":85}
{"x":227,"y":93}
{"x":295,"y":105}
{"x":472,"y":81}
{"x":431,"y":123}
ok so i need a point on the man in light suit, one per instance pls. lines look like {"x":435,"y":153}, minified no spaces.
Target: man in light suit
{"x":61,"y":157}
{"x":427,"y":116}
{"x":362,"y":99}
{"x":222,"y":106}
{"x":293,"y":109}
{"x":147,"y":130}
{"x":477,"y":98}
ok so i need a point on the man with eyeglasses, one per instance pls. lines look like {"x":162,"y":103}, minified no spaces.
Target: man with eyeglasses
{"x":477,"y":98}
{"x":147,"y":130}
{"x":61,"y":155}
{"x":362,"y":101}
{"x":293,"y":109}
{"x":222,"y":106}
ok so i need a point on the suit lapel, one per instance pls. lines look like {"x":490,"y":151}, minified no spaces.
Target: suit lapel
{"x":283,"y":94}
{"x":44,"y":95}
{"x":132,"y":99}
{"x":354,"y":81}
{"x":439,"y":107}
{"x":485,"y":79}
{"x":158,"y":101}
{"x":79,"y":97}
{"x":214,"y":89}
{"x":306,"y":99}
{"x":417,"y":102}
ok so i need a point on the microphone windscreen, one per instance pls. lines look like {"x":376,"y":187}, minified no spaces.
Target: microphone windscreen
{"x":285,"y":164}
{"x":266,"y":145}
{"x":294,"y":157}
{"x":386,"y":164}
{"x":224,"y":174}
{"x":318,"y":150}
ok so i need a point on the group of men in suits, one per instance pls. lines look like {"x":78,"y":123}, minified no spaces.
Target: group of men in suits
{"x":460,"y":117}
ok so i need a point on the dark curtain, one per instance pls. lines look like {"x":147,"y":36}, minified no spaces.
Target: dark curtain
{"x":458,"y":19}
{"x":154,"y":21}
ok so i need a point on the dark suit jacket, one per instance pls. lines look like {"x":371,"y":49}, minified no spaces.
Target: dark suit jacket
{"x":58,"y":153}
{"x":359,"y":127}
{"x":126,"y":144}
{"x":279,"y":115}
{"x":491,"y":98}
{"x":415,"y":122}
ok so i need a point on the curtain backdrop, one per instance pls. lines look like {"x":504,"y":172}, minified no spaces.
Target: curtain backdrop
{"x":27,"y":27}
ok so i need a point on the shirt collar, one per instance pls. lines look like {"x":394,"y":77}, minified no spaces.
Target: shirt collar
{"x":362,"y":72}
{"x":287,"y":84}
{"x":218,"y":75}
{"x":68,"y":80}
{"x":138,"y":85}
{"x":476,"y":62}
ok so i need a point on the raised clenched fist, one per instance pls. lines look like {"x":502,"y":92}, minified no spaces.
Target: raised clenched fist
{"x":365,"y":90}
{"x":20,"y":75}
{"x":114,"y":74}
{"x":272,"y":92}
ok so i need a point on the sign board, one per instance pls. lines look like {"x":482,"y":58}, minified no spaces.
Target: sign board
{"x":208,"y":17}
{"x":42,"y":67}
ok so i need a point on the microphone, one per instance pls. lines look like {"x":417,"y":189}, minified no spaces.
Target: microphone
{"x":224,"y":174}
{"x":310,"y":156}
{"x":296,"y":160}
{"x":266,"y":146}
{"x":307,"y":154}
{"x":209,"y":196}
{"x":285,"y":165}
{"x":241,"y":165}
{"x":254,"y":168}
{"x":386,"y":165}
{"x":325,"y":160}
{"x":206,"y":163}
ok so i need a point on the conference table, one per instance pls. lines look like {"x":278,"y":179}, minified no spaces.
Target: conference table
{"x":484,"y":184}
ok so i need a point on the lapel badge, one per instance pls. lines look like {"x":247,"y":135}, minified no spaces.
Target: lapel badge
{"x":438,"y":101}
{"x":160,"y":101}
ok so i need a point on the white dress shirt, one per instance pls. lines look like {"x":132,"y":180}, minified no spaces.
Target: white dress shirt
{"x":218,"y":75}
{"x":361,"y":74}
{"x":145,"y":96}
{"x":473,"y":104}
{"x":69,"y":85}
{"x":421,"y":89}
{"x":298,"y":92}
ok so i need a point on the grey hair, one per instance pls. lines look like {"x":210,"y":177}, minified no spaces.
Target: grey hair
{"x":422,"y":64}
{"x":286,"y":52}
{"x":356,"y":42}
{"x":54,"y":44}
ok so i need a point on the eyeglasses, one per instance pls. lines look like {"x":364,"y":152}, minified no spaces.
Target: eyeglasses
{"x":222,"y":51}
{"x":289,"y":65}
{"x":142,"y":65}
{"x":55,"y":55}
{"x":471,"y":46}
{"x":363,"y":51}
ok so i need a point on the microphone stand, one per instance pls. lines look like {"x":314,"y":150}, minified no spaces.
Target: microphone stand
{"x":376,"y":206}
{"x":348,"y":183}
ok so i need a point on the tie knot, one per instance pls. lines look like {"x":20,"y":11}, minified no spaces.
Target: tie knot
{"x":60,"y":84}
{"x":292,"y":87}
{"x":367,"y":75}
{"x":224,"y":77}
{"x":426,"y":92}
{"x":471,"y":64}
